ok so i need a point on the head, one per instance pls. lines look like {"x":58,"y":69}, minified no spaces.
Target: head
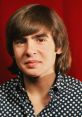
{"x":32,"y":19}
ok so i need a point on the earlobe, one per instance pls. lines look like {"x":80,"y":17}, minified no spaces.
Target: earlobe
{"x":58,"y":51}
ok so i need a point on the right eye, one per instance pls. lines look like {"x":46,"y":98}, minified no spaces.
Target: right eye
{"x":21,"y":41}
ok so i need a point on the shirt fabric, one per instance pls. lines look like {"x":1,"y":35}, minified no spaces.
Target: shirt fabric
{"x":65,"y":99}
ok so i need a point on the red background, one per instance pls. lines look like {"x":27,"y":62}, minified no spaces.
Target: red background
{"x":69,"y":10}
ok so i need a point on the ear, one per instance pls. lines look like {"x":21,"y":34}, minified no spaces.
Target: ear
{"x":58,"y":50}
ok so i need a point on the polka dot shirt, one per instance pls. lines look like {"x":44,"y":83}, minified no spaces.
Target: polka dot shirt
{"x":65,"y":99}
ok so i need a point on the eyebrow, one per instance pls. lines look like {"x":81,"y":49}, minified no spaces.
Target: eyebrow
{"x":40,"y":35}
{"x":36,"y":36}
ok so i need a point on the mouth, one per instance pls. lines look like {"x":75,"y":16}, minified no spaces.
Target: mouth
{"x":32,"y":63}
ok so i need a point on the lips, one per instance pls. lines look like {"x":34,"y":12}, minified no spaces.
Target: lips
{"x":32,"y":63}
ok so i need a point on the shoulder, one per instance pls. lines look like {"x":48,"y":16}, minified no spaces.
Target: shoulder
{"x":69,"y":94}
{"x":70,"y":85}
{"x":72,"y":82}
{"x":8,"y":86}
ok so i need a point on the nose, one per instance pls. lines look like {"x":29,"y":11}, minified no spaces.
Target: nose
{"x":30,"y":47}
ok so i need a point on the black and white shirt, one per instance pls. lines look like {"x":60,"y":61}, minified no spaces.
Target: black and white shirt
{"x":65,"y":100}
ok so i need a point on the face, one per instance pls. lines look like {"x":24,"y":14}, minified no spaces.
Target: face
{"x":35,"y":54}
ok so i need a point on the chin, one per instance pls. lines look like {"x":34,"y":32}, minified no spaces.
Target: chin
{"x":32,"y":74}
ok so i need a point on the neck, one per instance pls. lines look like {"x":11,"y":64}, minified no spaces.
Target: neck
{"x":39,"y":86}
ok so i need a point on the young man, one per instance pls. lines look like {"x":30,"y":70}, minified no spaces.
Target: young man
{"x":38,"y":44}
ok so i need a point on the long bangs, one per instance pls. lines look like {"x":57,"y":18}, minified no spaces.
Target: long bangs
{"x":29,"y":25}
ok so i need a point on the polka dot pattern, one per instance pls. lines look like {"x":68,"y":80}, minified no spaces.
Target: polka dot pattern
{"x":65,"y":99}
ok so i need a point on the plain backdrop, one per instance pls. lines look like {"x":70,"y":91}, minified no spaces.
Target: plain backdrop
{"x":69,"y":10}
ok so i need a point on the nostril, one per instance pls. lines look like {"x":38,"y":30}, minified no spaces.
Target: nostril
{"x":29,"y":54}
{"x":34,"y":53}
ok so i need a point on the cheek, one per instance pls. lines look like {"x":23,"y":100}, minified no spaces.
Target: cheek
{"x":17,"y":53}
{"x":51,"y":54}
{"x":48,"y":54}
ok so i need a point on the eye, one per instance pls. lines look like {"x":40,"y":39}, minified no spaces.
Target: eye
{"x":20,"y":41}
{"x":40,"y":40}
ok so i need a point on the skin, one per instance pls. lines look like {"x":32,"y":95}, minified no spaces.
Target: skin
{"x":35,"y":55}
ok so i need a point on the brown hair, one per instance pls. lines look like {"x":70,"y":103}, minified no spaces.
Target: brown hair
{"x":29,"y":19}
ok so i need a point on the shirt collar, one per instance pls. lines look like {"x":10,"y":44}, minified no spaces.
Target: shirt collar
{"x":56,"y":85}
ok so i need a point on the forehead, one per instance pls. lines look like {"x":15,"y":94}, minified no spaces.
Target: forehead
{"x":43,"y":32}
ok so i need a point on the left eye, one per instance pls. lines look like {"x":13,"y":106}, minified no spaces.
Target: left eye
{"x":41,"y":40}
